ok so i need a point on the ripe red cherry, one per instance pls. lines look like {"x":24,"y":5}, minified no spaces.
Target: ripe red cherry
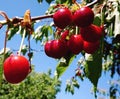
{"x":56,"y":48}
{"x":91,"y":33}
{"x":83,"y":17}
{"x":90,"y":48}
{"x":16,"y":68}
{"x":48,"y":48}
{"x":62,"y":17}
{"x":75,"y":44}
{"x":64,"y":35}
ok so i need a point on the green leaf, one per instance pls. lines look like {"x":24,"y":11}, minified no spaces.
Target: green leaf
{"x":64,"y":1}
{"x":44,"y":30}
{"x":24,"y":49}
{"x":40,"y":1}
{"x":97,"y":20}
{"x":69,"y":87}
{"x":63,"y":65}
{"x":12,"y":32}
{"x":75,"y":83}
{"x":49,"y":1}
{"x":41,"y":32}
{"x":93,"y":67}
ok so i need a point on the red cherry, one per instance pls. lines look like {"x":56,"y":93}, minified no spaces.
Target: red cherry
{"x":16,"y":68}
{"x":75,"y":44}
{"x":48,"y":48}
{"x":56,"y":48}
{"x":90,"y":47}
{"x":83,"y":17}
{"x":62,"y":17}
{"x":91,"y":33}
{"x":64,"y":34}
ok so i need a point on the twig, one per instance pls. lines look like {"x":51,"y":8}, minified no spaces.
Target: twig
{"x":4,"y":15}
{"x":19,"y":19}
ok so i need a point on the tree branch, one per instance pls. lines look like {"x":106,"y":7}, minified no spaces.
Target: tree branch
{"x":4,"y":15}
{"x":19,"y":19}
{"x":16,"y":20}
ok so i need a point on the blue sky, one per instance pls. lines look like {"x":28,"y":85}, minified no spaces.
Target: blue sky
{"x":42,"y":62}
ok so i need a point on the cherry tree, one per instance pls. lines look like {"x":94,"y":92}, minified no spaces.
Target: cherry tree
{"x":87,"y":28}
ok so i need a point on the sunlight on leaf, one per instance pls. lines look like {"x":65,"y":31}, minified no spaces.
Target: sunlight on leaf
{"x":93,"y":68}
{"x":63,"y":65}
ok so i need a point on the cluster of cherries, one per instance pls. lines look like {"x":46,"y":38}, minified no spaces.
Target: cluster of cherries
{"x":17,"y":67}
{"x":87,"y":39}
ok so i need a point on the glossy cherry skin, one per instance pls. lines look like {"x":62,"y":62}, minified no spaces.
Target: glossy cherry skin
{"x":48,"y":48}
{"x":64,"y":35}
{"x":16,"y":68}
{"x":62,"y":17}
{"x":56,"y":48}
{"x":91,"y":33}
{"x":75,"y":44}
{"x":91,"y":48}
{"x":83,"y":17}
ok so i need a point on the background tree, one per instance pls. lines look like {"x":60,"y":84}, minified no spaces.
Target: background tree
{"x":36,"y":85}
{"x":105,"y":59}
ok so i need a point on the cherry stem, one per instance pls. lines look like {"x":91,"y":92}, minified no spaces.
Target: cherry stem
{"x":29,"y":50}
{"x":92,"y":3}
{"x":102,"y":23}
{"x":102,"y":13}
{"x":5,"y":42}
{"x":74,"y":1}
{"x":23,"y":37}
{"x":76,"y":30}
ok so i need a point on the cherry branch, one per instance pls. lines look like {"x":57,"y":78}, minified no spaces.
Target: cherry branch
{"x":4,"y":15}
{"x":17,"y":20}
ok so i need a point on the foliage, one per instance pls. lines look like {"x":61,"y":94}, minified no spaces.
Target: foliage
{"x":93,"y":68}
{"x":64,"y":64}
{"x":36,"y":85}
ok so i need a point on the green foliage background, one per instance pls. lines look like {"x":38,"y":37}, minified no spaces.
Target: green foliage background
{"x":35,"y":86}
